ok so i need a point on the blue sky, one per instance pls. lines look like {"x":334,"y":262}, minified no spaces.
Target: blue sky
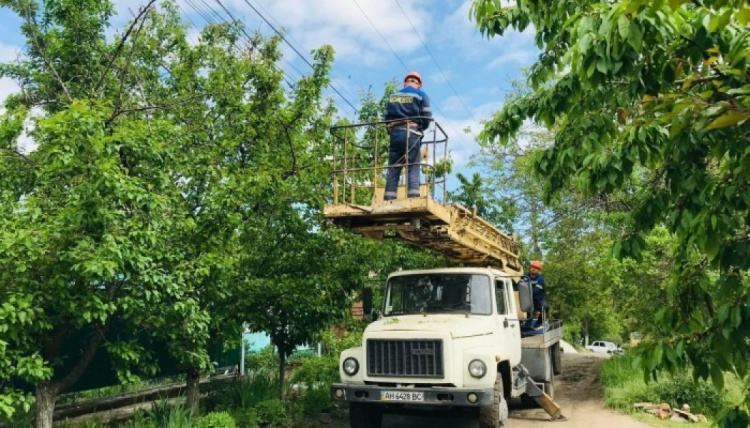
{"x":478,"y":69}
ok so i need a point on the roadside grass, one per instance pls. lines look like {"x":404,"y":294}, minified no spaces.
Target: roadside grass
{"x":623,"y":385}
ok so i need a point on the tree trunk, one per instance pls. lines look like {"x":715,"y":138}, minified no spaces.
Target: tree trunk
{"x":45,"y":404}
{"x":282,"y":369}
{"x":192,"y":390}
{"x":586,"y":332}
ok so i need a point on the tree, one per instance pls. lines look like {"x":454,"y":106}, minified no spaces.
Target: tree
{"x":653,"y":95}
{"x":155,"y":160}
{"x":474,"y":195}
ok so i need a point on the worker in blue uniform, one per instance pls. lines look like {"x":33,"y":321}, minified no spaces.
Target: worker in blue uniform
{"x":540,"y":292}
{"x":408,"y":112}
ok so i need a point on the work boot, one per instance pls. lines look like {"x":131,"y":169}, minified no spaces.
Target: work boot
{"x":413,"y":193}
{"x":389,"y":196}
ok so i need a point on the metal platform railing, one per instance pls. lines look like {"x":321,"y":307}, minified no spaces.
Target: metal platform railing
{"x":360,"y":161}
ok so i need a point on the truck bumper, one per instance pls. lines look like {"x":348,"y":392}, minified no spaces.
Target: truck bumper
{"x":431,"y":396}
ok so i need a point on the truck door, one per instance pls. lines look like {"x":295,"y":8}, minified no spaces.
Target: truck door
{"x":509,"y":329}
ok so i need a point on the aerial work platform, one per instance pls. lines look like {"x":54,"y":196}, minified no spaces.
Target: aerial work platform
{"x":427,"y":221}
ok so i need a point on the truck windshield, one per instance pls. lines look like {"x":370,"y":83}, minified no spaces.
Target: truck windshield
{"x":439,"y":293}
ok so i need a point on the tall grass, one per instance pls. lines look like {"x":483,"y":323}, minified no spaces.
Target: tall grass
{"x":624,"y":385}
{"x":243,"y":393}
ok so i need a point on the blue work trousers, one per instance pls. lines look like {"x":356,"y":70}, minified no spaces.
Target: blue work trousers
{"x":398,"y":157}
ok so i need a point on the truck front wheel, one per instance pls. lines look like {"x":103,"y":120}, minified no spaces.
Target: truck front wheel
{"x":363,"y":415}
{"x":496,"y":415}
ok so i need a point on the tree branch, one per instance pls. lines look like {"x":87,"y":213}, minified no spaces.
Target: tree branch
{"x":144,"y":10}
{"x":21,"y":155}
{"x":127,"y":64}
{"x":88,"y":355}
{"x":31,"y":19}
{"x":115,"y":114}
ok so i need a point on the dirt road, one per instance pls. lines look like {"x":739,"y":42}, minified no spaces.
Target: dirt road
{"x":578,"y":391}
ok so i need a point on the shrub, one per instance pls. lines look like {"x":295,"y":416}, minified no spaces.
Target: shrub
{"x":316,"y":370}
{"x":624,"y":385}
{"x":247,"y":418}
{"x":271,"y":412}
{"x":352,"y":338}
{"x":216,"y":420}
{"x":702,"y":397}
{"x":263,"y":362}
{"x":317,"y":400}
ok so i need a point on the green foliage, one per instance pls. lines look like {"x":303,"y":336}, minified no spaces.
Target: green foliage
{"x":702,"y":397}
{"x":241,"y":393}
{"x":216,"y":420}
{"x":90,"y":423}
{"x":168,"y":415}
{"x":333,"y":345}
{"x":624,"y":385}
{"x":161,"y":166}
{"x":264,"y":362}
{"x":651,"y":97}
{"x":473,"y":195}
{"x":271,"y":412}
{"x":317,"y":400}
{"x":246,"y":418}
{"x":316,"y":370}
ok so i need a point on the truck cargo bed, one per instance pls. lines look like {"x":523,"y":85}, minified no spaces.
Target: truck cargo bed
{"x":540,"y":341}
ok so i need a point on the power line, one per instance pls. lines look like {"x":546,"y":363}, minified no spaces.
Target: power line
{"x":381,"y":35}
{"x":243,"y":28}
{"x":458,"y":134}
{"x":294,"y":40}
{"x":298,"y":52}
{"x":434,"y":60}
{"x":200,"y":11}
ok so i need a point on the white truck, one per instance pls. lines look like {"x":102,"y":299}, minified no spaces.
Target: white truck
{"x":449,"y":338}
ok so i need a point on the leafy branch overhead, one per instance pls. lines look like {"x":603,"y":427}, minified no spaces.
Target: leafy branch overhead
{"x":652,"y":96}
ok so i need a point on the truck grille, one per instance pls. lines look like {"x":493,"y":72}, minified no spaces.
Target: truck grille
{"x":405,"y":358}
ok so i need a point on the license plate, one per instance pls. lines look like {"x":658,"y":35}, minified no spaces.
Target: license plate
{"x":401,"y":396}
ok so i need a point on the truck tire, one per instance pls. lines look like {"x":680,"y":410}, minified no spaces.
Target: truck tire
{"x":495,"y":415}
{"x":364,"y":415}
{"x":556,"y":359}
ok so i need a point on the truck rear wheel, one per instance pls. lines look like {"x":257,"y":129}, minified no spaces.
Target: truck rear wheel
{"x":495,"y":415}
{"x":556,"y":358}
{"x":364,"y":415}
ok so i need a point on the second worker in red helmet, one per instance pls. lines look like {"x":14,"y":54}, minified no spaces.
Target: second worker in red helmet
{"x":408,"y":112}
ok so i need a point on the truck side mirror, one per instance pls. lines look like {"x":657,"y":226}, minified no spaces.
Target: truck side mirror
{"x":525,"y":295}
{"x":367,"y":301}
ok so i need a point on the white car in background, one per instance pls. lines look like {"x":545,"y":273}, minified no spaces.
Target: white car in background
{"x":602,"y":347}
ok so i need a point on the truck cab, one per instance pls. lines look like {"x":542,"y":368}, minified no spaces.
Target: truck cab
{"x":448,"y":338}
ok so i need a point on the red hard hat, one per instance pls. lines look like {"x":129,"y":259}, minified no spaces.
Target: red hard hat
{"x":536,"y":264}
{"x":415,"y":75}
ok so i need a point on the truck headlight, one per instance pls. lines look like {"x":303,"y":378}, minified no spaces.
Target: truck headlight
{"x":477,"y":368}
{"x":350,"y":366}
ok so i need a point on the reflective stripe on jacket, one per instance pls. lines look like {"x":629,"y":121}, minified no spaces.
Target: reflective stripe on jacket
{"x":409,"y":102}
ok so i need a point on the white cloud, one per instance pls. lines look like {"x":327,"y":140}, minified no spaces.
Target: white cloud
{"x":343,"y":25}
{"x":520,"y":57}
{"x":463,"y":145}
{"x":459,"y":30}
{"x":7,"y":87}
{"x":8,"y":53}
{"x":454,"y":104}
